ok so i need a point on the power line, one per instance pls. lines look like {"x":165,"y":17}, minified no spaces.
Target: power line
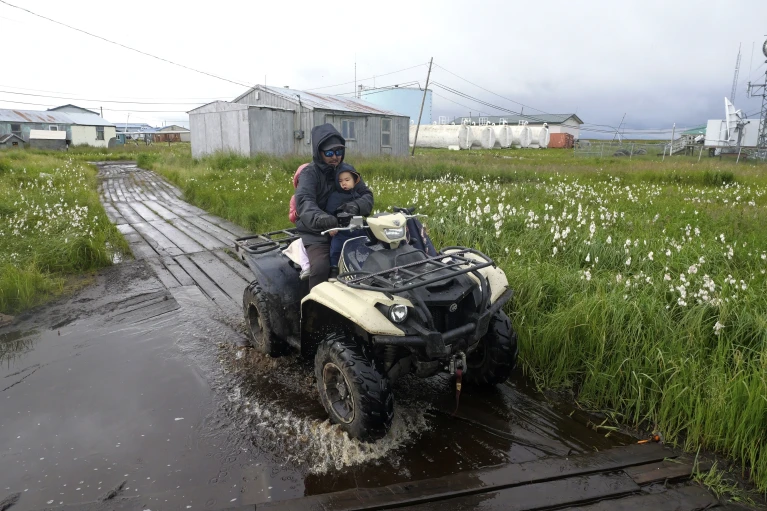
{"x":487,"y":90}
{"x":96,"y":107}
{"x":359,"y":79}
{"x":119,"y":97}
{"x":92,"y":99}
{"x":122,"y":45}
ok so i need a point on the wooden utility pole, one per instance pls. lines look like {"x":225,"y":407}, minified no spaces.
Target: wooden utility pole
{"x":423,"y":100}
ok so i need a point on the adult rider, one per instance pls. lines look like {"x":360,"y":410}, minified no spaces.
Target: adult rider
{"x":317,"y":182}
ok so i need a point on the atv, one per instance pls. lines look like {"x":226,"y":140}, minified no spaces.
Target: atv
{"x":393,"y":309}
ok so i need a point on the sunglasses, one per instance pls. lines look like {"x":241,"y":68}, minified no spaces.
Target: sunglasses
{"x":330,"y":152}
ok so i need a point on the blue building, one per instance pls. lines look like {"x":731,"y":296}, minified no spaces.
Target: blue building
{"x":403,"y":100}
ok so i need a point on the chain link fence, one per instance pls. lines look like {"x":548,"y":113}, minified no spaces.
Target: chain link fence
{"x":654,"y":149}
{"x":621,"y":149}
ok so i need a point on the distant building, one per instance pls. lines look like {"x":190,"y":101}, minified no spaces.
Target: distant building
{"x":80,"y":128}
{"x":403,"y":100}
{"x":48,"y":140}
{"x":11,"y":141}
{"x":279,"y":121}
{"x":558,"y":123}
{"x":173,"y":133}
{"x":74,"y":109}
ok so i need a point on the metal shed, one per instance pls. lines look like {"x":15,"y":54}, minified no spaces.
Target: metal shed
{"x":11,"y":141}
{"x":368,"y":129}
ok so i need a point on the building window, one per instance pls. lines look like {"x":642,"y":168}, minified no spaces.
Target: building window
{"x":16,"y":129}
{"x":53,"y":127}
{"x":348,"y":129}
{"x":386,"y":132}
{"x":99,"y":132}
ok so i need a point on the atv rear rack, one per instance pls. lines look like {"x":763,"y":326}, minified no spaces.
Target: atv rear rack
{"x":258,"y":244}
{"x":407,"y":277}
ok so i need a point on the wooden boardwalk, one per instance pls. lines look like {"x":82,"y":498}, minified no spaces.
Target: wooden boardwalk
{"x":615,"y":479}
{"x":183,"y":244}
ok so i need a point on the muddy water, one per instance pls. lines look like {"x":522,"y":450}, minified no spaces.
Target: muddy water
{"x":129,"y":384}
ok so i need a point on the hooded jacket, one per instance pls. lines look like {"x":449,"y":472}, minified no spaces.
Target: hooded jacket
{"x":318,"y":181}
{"x":339,"y":197}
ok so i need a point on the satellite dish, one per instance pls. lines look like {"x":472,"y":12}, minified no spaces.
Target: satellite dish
{"x":734,"y":120}
{"x":764,"y":48}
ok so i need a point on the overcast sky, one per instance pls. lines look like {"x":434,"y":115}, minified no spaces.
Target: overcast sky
{"x":658,"y":62}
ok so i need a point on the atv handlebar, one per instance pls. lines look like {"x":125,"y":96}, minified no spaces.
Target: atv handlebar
{"x":357,"y":222}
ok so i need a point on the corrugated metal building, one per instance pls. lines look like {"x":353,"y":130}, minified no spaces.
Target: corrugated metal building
{"x":280,"y":120}
{"x":81,"y":128}
{"x":403,"y":100}
{"x":11,"y":141}
{"x":558,"y":123}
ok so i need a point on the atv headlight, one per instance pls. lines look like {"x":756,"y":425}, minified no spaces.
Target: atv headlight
{"x":398,"y":313}
{"x":395,"y":234}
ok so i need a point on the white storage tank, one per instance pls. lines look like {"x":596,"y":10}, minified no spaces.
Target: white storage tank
{"x":540,"y":136}
{"x":481,"y":137}
{"x":441,"y":136}
{"x":521,"y":136}
{"x":503,"y":136}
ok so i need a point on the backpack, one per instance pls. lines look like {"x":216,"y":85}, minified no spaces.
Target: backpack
{"x":293,"y":212}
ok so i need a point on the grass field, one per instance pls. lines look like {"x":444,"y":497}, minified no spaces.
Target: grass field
{"x":52,"y":227}
{"x":640,"y":285}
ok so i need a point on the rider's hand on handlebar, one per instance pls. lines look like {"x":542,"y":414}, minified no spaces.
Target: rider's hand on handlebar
{"x":327,"y":222}
{"x":333,"y":233}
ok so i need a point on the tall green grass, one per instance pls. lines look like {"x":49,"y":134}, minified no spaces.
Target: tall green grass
{"x":52,"y":227}
{"x":596,"y":315}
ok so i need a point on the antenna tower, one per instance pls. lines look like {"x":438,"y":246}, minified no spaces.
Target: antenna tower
{"x":760,"y":89}
{"x":735,"y":78}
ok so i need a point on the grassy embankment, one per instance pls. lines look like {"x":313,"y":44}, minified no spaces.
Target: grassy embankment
{"x":639,"y":284}
{"x":52,"y":227}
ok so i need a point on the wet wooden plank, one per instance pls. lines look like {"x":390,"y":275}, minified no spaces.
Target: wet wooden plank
{"x":181,"y":240}
{"x":232,"y":283}
{"x":144,"y":212}
{"x":235,"y":264}
{"x":540,"y":495}
{"x":665,"y":470}
{"x":220,"y":234}
{"x":161,"y":210}
{"x":157,"y":240}
{"x":687,"y":498}
{"x":178,"y":272}
{"x":166,"y":277}
{"x":127,"y":213}
{"x":114,"y":216}
{"x":484,"y":480}
{"x":208,"y":286}
{"x":226,"y":225}
{"x":203,"y":238}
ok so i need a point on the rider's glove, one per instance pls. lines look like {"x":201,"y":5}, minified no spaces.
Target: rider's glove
{"x":326,"y":222}
{"x":350,"y":207}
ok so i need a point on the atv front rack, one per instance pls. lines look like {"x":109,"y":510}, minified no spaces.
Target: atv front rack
{"x":424,"y":272}
{"x":258,"y":244}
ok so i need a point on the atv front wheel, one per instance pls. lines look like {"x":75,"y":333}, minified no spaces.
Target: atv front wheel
{"x":496,"y":356}
{"x":356,"y":396}
{"x":256,"y":311}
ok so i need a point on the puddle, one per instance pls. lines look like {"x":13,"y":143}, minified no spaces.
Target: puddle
{"x":168,"y":404}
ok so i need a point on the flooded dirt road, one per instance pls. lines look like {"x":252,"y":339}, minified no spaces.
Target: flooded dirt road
{"x":133,"y":394}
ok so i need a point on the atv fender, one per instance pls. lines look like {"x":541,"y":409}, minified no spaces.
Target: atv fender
{"x":496,"y":277}
{"x":331,"y":302}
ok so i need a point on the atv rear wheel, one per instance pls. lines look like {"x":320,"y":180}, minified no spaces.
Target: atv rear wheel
{"x":356,"y":396}
{"x":496,"y":356}
{"x":256,"y":311}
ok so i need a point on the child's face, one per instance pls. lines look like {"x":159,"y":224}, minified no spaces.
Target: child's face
{"x":346,"y":180}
